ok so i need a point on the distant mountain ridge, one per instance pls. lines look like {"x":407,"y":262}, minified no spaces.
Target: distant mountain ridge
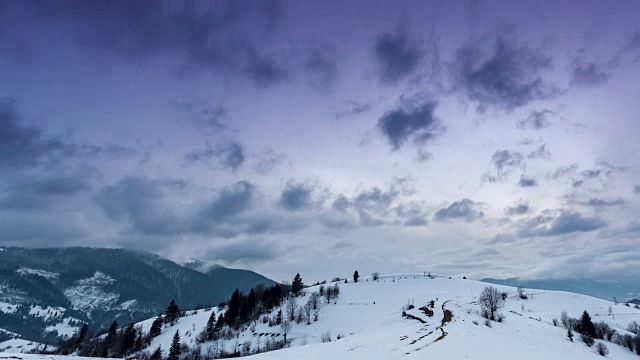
{"x":96,"y":285}
{"x":603,"y":290}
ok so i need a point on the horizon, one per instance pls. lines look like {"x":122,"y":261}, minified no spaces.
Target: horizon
{"x":478,"y":139}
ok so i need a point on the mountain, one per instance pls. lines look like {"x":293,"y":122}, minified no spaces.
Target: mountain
{"x":622,"y":291}
{"x":366,"y":322}
{"x":50,"y":292}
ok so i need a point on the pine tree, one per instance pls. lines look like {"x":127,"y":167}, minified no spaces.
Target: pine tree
{"x":219,"y":324}
{"x":234,"y":308}
{"x":156,"y":327}
{"x":211,"y":326}
{"x":569,"y":334}
{"x":156,"y":354}
{"x":251,"y":302}
{"x":82,"y":334}
{"x":586,"y":325}
{"x":279,"y":317}
{"x":297,"y":285}
{"x":174,"y":351}
{"x":172,"y":313}
{"x":356,"y":276}
{"x":128,"y":340}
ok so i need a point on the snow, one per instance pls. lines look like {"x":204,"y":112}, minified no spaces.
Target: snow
{"x":88,"y":295}
{"x":127,"y":305}
{"x":45,"y":274}
{"x":64,"y":328}
{"x":47,"y":312}
{"x":8,"y":308}
{"x":18,"y":356}
{"x":17,"y":345}
{"x":367,"y":316}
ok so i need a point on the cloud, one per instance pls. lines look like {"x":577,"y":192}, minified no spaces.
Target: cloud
{"x":504,"y":162}
{"x":243,"y":250}
{"x":527,"y":182}
{"x":418,"y":123}
{"x":501,"y":74}
{"x":267,"y":160}
{"x":464,"y":209}
{"x":598,"y":202}
{"x":564,"y":222}
{"x":230,"y":202}
{"x":40,"y":193}
{"x":396,"y":56}
{"x":321,"y":67}
{"x":209,"y":119}
{"x":636,"y":189}
{"x":297,"y":196}
{"x":519,"y":208}
{"x":222,"y":36}
{"x":536,"y":120}
{"x":589,"y":74}
{"x":138,"y":203}
{"x":351,"y":108}
{"x":229,"y":155}
{"x":540,"y":153}
{"x":412,"y":214}
{"x":22,"y":145}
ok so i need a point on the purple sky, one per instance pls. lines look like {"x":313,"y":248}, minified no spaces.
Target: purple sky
{"x":477,"y":138}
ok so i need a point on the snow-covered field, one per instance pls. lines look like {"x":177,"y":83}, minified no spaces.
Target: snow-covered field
{"x":367,"y":317}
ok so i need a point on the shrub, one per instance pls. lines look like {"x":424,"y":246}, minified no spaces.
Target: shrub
{"x":587,"y":339}
{"x":601,"y":349}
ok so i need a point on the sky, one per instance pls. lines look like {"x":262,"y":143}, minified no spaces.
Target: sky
{"x":476,"y":138}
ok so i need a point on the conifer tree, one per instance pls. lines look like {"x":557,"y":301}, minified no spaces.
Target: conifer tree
{"x":356,"y":276}
{"x":156,"y":354}
{"x":211,"y":326}
{"x":569,"y":334}
{"x":219,"y":324}
{"x":297,"y":285}
{"x":251,"y":302}
{"x":82,"y":334}
{"x":128,"y":340}
{"x":234,"y":308}
{"x":172,"y":313}
{"x":156,"y":327}
{"x":174,"y":351}
{"x":586,"y":325}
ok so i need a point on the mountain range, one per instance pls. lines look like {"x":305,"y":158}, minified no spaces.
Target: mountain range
{"x":45,"y":293}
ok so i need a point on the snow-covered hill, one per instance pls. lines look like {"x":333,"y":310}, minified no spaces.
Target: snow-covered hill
{"x":367,"y":317}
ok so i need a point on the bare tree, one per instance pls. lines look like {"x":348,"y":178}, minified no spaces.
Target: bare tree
{"x":602,"y":349}
{"x":336,"y":290}
{"x":521,"y":294}
{"x":290,"y":307}
{"x":328,"y":294}
{"x":285,"y":327}
{"x":375,"y":276}
{"x":314,"y":300}
{"x":308,"y":309}
{"x":490,"y":301}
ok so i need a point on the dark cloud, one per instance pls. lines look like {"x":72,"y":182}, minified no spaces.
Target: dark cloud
{"x":591,"y":74}
{"x":565,"y":222}
{"x":418,"y":123}
{"x":411,"y":215}
{"x":39,"y":193}
{"x":464,"y":209}
{"x":267,"y":160}
{"x":296,"y":196}
{"x":23,"y":145}
{"x":504,"y":162}
{"x":351,"y":108}
{"x":138,"y":203}
{"x":502,"y":74}
{"x":597,"y":202}
{"x":526,"y":181}
{"x":243,"y":250}
{"x":320,"y":64}
{"x":230,"y":202}
{"x":228,"y":155}
{"x":266,"y":70}
{"x":540,"y":153}
{"x":636,"y":189}
{"x":519,"y":208}
{"x":224,"y":36}
{"x":536,"y":120}
{"x":210,"y":119}
{"x":396,"y":55}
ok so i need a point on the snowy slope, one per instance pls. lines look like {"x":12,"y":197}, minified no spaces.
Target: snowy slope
{"x":367,"y":316}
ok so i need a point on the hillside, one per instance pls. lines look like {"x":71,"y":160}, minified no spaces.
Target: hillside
{"x":367,"y":317}
{"x":622,"y":291}
{"x":45,"y":293}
